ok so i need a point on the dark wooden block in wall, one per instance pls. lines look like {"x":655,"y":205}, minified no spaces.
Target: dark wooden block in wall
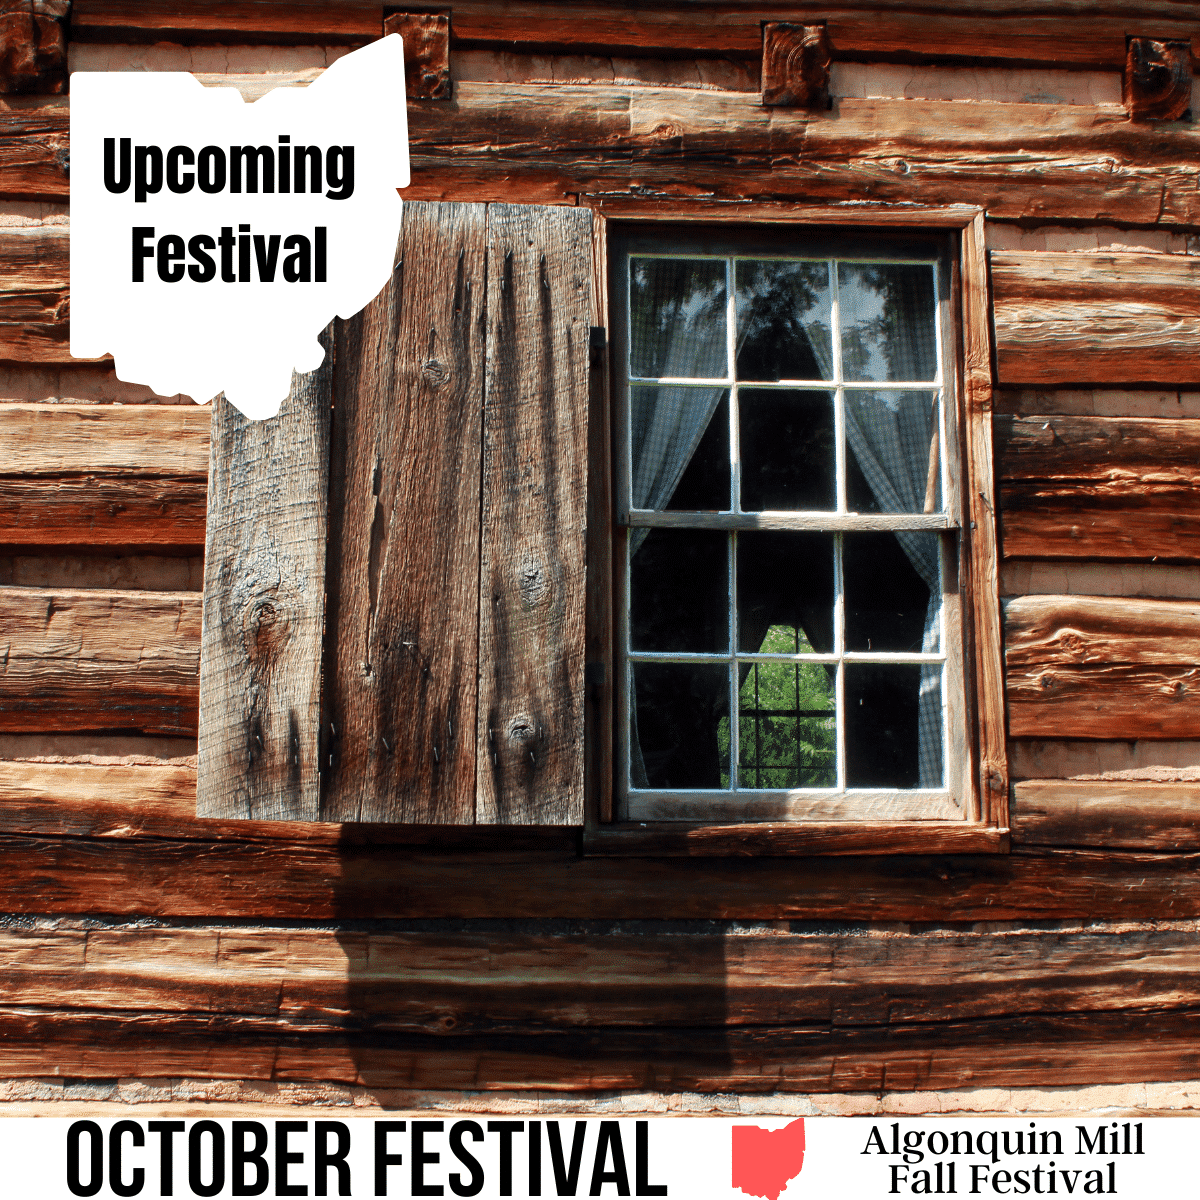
{"x":426,"y":52}
{"x":33,"y":46}
{"x":795,"y":70}
{"x":1158,"y":79}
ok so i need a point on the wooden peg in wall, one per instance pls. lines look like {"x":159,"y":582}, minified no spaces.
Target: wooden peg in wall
{"x":426,"y":52}
{"x":1158,"y":79}
{"x":795,"y":66}
{"x":33,"y":46}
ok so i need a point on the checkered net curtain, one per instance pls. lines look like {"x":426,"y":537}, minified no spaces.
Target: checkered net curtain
{"x":679,"y":328}
{"x":891,"y":436}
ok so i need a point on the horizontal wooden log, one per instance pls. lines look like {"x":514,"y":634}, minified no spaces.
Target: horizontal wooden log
{"x":164,"y":877}
{"x":35,"y":151}
{"x":650,"y":840}
{"x":99,"y":510}
{"x":271,"y":22}
{"x":1118,"y":814}
{"x":123,"y":800}
{"x":877,"y":36}
{"x":104,"y":439}
{"x":1102,"y":667}
{"x":1104,"y":702}
{"x":1020,"y":1053}
{"x":458,"y":981}
{"x":72,"y":661}
{"x":34,"y":294}
{"x":1098,"y":487}
{"x":103,"y":474}
{"x":1069,"y":631}
{"x":1106,"y":318}
{"x":550,"y":143}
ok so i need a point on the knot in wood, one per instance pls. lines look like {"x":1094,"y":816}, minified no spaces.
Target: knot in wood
{"x":1047,"y":681}
{"x":665,"y":131}
{"x":532,"y":582}
{"x":521,"y":730}
{"x":266,"y":627}
{"x":436,"y":372}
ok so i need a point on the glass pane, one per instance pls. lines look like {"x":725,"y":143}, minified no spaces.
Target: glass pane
{"x":785,"y":579}
{"x":675,"y":741}
{"x":887,"y":315}
{"x":893,"y":460}
{"x":783,"y":321}
{"x":887,"y":579}
{"x":893,"y":726}
{"x":680,"y":448}
{"x":787,"y":728}
{"x":787,"y":450}
{"x":679,"y":591}
{"x":677,"y":318}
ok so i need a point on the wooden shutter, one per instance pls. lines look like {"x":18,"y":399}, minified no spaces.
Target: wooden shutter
{"x":454,"y":476}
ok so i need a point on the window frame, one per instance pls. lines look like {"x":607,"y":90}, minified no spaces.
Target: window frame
{"x":977,"y":724}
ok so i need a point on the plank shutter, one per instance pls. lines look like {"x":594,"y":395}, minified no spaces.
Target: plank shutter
{"x":455,"y":481}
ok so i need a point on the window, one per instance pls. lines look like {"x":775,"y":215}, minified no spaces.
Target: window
{"x":789,"y":630}
{"x":414,"y":608}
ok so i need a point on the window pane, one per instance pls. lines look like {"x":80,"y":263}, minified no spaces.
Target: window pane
{"x":783,"y":321}
{"x":679,"y":591}
{"x":893,"y":726}
{"x":785,"y":579}
{"x":887,"y":316}
{"x":675,"y":741}
{"x":787,"y":450}
{"x":680,"y":448}
{"x":787,"y":728}
{"x":677,"y":318}
{"x":887,"y":579}
{"x":892,"y":452}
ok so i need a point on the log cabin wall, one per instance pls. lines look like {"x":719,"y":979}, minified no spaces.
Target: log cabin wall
{"x":143,"y":943}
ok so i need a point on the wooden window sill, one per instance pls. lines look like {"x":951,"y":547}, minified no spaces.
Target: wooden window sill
{"x":677,"y":839}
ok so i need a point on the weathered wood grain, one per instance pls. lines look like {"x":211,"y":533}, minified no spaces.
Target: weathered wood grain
{"x":1045,"y":37}
{"x":123,"y":800}
{"x":34,"y":299}
{"x":1019,"y":160}
{"x":103,"y":510}
{"x":103,"y":474}
{"x":1108,"y":318}
{"x":1127,"y":815}
{"x":775,"y":838}
{"x":1098,"y":402}
{"x":1098,"y":487}
{"x":35,"y":151}
{"x":50,"y":440}
{"x":1102,"y":667}
{"x":72,"y":661}
{"x":404,"y":545}
{"x":249,"y":880}
{"x":979,"y":492}
{"x":1157,"y":83}
{"x":264,"y":583}
{"x":271,"y":22}
{"x":459,"y":982}
{"x":1044,"y":1051}
{"x":549,"y":143}
{"x":426,"y":52}
{"x":795,"y":65}
{"x":1079,"y":630}
{"x":33,"y":46}
{"x":529,"y":745}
